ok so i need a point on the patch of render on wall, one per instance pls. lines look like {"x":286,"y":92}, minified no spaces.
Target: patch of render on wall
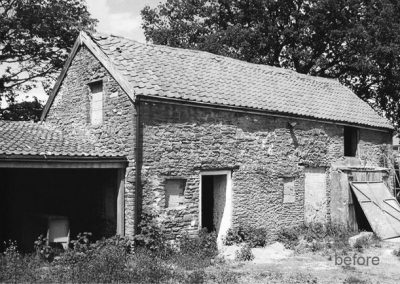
{"x":289,"y":192}
{"x":175,"y":193}
{"x":316,"y":198}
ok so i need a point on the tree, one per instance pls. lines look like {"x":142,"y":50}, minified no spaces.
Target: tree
{"x":356,"y":41}
{"x":35,"y":39}
{"x":28,"y":110}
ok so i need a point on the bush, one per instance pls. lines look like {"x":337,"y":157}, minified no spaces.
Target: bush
{"x":145,"y":266}
{"x":255,"y":237}
{"x":111,"y":260}
{"x":151,"y":233}
{"x":197,"y":251}
{"x":205,"y":244}
{"x":244,"y":253}
{"x":233,"y":236}
{"x":396,"y":252}
{"x":316,"y":246}
{"x":146,"y":259}
{"x":44,"y":251}
{"x":224,"y":275}
{"x":15,"y":267}
{"x":197,"y":276}
{"x":102,"y":261}
{"x":289,"y":236}
{"x":354,"y":280}
{"x":317,"y":235}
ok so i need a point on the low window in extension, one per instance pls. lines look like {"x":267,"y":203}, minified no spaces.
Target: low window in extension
{"x":350,"y":141}
{"x":174,"y":193}
{"x":289,"y":194}
{"x":96,"y":102}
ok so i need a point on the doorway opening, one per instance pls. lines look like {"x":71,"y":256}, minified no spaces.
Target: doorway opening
{"x":351,"y":139}
{"x":216,"y":202}
{"x":360,"y":218}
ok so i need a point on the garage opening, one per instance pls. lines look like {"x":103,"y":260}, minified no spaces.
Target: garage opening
{"x":216,"y":203}
{"x":64,"y":201}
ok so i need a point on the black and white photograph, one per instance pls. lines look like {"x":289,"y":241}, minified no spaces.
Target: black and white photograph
{"x":200,"y":141}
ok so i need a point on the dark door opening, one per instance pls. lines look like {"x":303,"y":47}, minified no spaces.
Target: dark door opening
{"x":361,"y":219}
{"x":207,"y":202}
{"x":213,"y":199}
{"x":350,"y":141}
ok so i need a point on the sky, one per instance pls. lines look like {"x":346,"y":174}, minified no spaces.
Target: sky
{"x":120,"y":17}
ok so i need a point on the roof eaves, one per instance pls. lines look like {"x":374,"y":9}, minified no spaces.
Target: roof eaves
{"x":152,"y":98}
{"x":64,"y":157}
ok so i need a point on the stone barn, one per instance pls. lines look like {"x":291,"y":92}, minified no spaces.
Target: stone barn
{"x":203,"y":140}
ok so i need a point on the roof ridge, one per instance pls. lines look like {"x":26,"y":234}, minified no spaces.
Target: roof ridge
{"x":208,"y":54}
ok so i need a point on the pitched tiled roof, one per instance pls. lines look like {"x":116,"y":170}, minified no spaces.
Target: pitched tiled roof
{"x":197,"y":76}
{"x":44,"y":139}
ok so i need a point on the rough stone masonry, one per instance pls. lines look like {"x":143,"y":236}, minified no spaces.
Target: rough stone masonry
{"x":263,"y":152}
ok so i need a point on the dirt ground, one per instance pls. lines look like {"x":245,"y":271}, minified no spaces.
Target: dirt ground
{"x":277,"y":265}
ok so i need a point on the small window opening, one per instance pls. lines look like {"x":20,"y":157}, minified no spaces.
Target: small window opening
{"x":289,"y":193}
{"x":174,"y":193}
{"x":96,"y":102}
{"x":350,"y":141}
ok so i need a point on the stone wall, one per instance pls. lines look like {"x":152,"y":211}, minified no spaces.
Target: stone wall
{"x":181,"y":141}
{"x":373,"y":145}
{"x":71,"y":110}
{"x":262,"y":151}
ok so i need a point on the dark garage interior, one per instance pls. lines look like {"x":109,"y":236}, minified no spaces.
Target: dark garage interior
{"x":87,"y":198}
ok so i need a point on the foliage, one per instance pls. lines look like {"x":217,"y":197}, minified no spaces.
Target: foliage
{"x":151,"y":233}
{"x":112,"y":260}
{"x":15,"y":267}
{"x":224,"y":275}
{"x":316,"y":235}
{"x":43,"y":250}
{"x":289,"y":236}
{"x":255,"y":237}
{"x":102,"y":261}
{"x":205,"y":244}
{"x":244,"y":253}
{"x":196,"y":252}
{"x":366,"y":242}
{"x":396,"y":252}
{"x":22,"y":111}
{"x":354,"y":280}
{"x":35,"y":39}
{"x":82,"y":242}
{"x":191,"y":252}
{"x":356,"y":41}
